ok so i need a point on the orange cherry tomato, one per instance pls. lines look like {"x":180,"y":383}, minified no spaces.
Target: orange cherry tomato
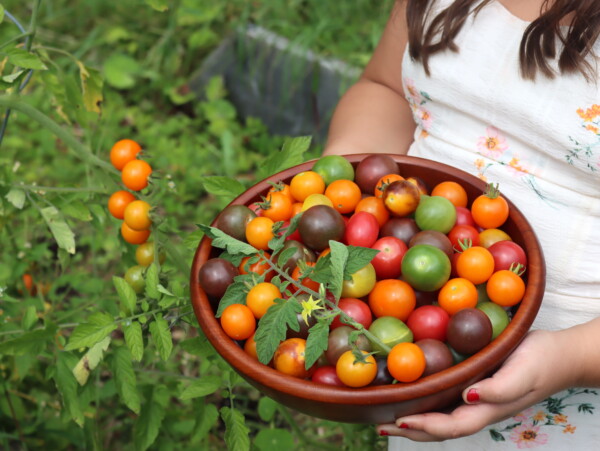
{"x":281,"y":187}
{"x":137,"y":215}
{"x":277,"y":207}
{"x":376,"y":207}
{"x":383,"y":182}
{"x":392,"y":297}
{"x":238,"y":322}
{"x":259,"y":267}
{"x":306,"y":282}
{"x":306,"y":183}
{"x":452,"y":191}
{"x":344,"y":195}
{"x":250,"y":347}
{"x":259,"y":232}
{"x":134,"y":236}
{"x":475,"y":264}
{"x":296,"y":208}
{"x":262,"y":296}
{"x":505,"y":288}
{"x":457,"y":294}
{"x":490,"y":210}
{"x":135,"y":175}
{"x":123,"y":152}
{"x":406,"y":362}
{"x":355,"y":373}
{"x":118,"y":201}
{"x":289,"y":358}
{"x":401,"y":197}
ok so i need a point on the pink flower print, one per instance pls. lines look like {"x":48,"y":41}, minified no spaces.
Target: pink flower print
{"x":493,"y":144}
{"x":412,"y":91}
{"x":524,"y":415}
{"x":528,"y":436}
{"x":424,"y":118}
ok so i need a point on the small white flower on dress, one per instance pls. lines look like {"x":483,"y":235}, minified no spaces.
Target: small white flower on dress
{"x":528,"y":436}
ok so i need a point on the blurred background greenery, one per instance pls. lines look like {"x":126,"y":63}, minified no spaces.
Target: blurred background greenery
{"x":137,"y":58}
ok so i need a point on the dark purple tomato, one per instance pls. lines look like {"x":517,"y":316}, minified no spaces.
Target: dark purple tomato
{"x":319,"y":224}
{"x":426,"y":297}
{"x":383,"y":376}
{"x":390,"y":331}
{"x":469,"y":331}
{"x":428,"y":321}
{"x":433,"y":237}
{"x":234,"y":219}
{"x":301,"y":253}
{"x":435,"y":213}
{"x":339,"y":342}
{"x":464,"y":217}
{"x":463,"y":234}
{"x":356,"y":309}
{"x":362,"y":229}
{"x":402,"y":228}
{"x":506,"y":253}
{"x":326,"y":375}
{"x":387,"y":262}
{"x":215,"y":275}
{"x":437,"y":355}
{"x":371,"y":169}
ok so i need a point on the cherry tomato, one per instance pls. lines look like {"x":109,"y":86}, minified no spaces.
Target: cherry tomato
{"x":361,"y":284}
{"x":434,"y":238}
{"x":475,"y":264}
{"x":135,"y":175}
{"x":234,"y":219}
{"x":137,"y":215}
{"x":134,"y":236}
{"x":250,"y":347}
{"x":281,"y":187}
{"x":490,"y":210}
{"x":362,"y":230}
{"x":387,"y":262}
{"x":401,"y":198}
{"x":306,"y":281}
{"x":316,"y":199}
{"x":390,"y":331}
{"x":134,"y":276}
{"x":344,"y":195}
{"x":426,"y":267}
{"x":259,"y":232}
{"x":118,"y":201}
{"x":306,"y":183}
{"x":488,"y":237}
{"x":464,"y":217}
{"x":326,"y":375}
{"x":289,"y":358}
{"x":238,"y":322}
{"x":384,"y":182}
{"x":435,"y":213}
{"x":507,"y":253}
{"x":334,"y":167}
{"x":376,"y":207}
{"x":428,"y":321}
{"x":505,"y":288}
{"x":497,"y":315}
{"x":463,"y":234}
{"x":392,"y":297}
{"x":123,"y":152}
{"x":30,"y":287}
{"x":452,"y":191}
{"x":372,"y":168}
{"x":406,"y":362}
{"x":420,"y":184}
{"x":437,"y":355}
{"x":277,"y":207}
{"x":144,"y":254}
{"x":259,"y":267}
{"x":355,"y":373}
{"x":469,"y":331}
{"x":215,"y":275}
{"x":338,"y":342}
{"x":319,"y":224}
{"x":457,"y":294}
{"x":260,"y":297}
{"x":356,"y":309}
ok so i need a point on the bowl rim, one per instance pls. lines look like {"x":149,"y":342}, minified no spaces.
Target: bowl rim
{"x":481,"y":362}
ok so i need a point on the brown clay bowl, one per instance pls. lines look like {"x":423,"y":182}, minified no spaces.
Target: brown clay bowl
{"x":381,"y":404}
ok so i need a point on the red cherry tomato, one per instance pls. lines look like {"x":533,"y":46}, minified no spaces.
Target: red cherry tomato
{"x":428,"y":321}
{"x":387,"y":262}
{"x":362,"y":229}
{"x":506,"y":253}
{"x":356,"y":309}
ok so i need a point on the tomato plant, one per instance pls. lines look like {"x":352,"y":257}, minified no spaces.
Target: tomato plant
{"x":135,"y":174}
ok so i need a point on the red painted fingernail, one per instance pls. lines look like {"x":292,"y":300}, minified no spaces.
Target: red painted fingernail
{"x":472,"y":395}
{"x":384,"y":433}
{"x":404,"y":426}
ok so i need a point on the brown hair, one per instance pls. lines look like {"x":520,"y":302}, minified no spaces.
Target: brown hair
{"x":538,"y":45}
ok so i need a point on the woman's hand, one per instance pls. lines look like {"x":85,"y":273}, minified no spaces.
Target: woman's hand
{"x":543,"y":364}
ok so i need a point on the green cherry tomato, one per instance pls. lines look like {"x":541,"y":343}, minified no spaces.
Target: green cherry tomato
{"x":426,"y":267}
{"x":134,"y":276}
{"x":435,"y":213}
{"x":334,"y":167}
{"x":390,"y":331}
{"x":144,"y":254}
{"x":361,"y":284}
{"x":497,"y":315}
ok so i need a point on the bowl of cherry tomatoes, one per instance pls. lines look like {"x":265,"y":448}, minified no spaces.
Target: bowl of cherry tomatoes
{"x":362,"y":288}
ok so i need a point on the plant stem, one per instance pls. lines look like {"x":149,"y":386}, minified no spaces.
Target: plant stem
{"x":59,"y":189}
{"x":80,"y":150}
{"x":33,"y":23}
{"x":16,"y":38}
{"x":12,"y":412}
{"x":312,"y":444}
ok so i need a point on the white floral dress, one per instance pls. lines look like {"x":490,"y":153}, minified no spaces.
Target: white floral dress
{"x":540,"y":140}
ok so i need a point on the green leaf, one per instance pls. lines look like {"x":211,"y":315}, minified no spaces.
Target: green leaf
{"x":148,"y":424}
{"x":161,"y":336}
{"x":317,"y":342}
{"x":199,"y":346}
{"x":33,"y":342}
{"x":134,"y":340}
{"x":29,"y":318}
{"x":67,"y":386}
{"x":126,"y":294}
{"x":276,"y":438}
{"x":125,"y":379}
{"x":77,"y":210}
{"x":237,"y":434}
{"x":1,"y":13}
{"x":16,"y":197}
{"x":158,"y":5}
{"x":273,"y":326}
{"x":497,"y":436}
{"x":358,"y":258}
{"x":266,"y":408}
{"x":90,"y":361}
{"x":152,"y":282}
{"x":120,"y":71}
{"x":98,"y":326}
{"x":64,"y":236}
{"x":222,"y":240}
{"x":222,"y":186}
{"x":235,"y":292}
{"x":204,"y":386}
{"x":206,"y":417}
{"x":276,"y":243}
{"x":22,"y":58}
{"x":339,"y":258}
{"x":291,"y":154}
{"x":91,"y":88}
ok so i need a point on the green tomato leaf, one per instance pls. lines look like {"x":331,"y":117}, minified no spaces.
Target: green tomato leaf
{"x":276,"y":243}
{"x":121,"y":71}
{"x":152,"y":282}
{"x":358,"y":258}
{"x":67,"y":386}
{"x":64,"y":236}
{"x":273,"y":326}
{"x":222,"y":240}
{"x":291,"y":154}
{"x":1,"y":13}
{"x":90,"y":361}
{"x":126,"y":294}
{"x":237,"y":434}
{"x":77,"y":210}
{"x":276,"y":438}
{"x":29,"y":318}
{"x":125,"y":379}
{"x":147,"y":426}
{"x":158,"y":5}
{"x":33,"y":342}
{"x":199,"y":346}
{"x":317,"y":342}
{"x":339,"y":259}
{"x":16,"y":197}
{"x":235,"y":293}
{"x":22,"y":58}
{"x":204,"y":386}
{"x":86,"y":335}
{"x":206,"y":418}
{"x":266,"y":408}
{"x":161,"y":336}
{"x":222,"y":186}
{"x":134,"y":340}
{"x":91,"y":88}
